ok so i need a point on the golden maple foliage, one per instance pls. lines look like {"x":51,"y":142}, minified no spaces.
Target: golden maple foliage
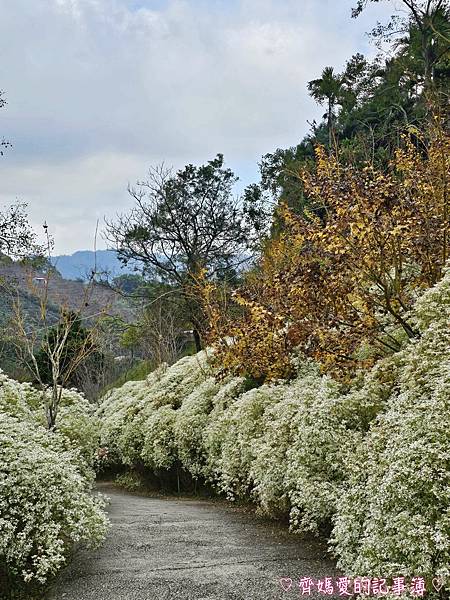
{"x":339,"y":281}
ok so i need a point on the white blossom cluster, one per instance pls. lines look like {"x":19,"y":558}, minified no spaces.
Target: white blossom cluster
{"x":369,"y":464}
{"x":395,"y":514}
{"x":138,"y":418}
{"x":46,"y":504}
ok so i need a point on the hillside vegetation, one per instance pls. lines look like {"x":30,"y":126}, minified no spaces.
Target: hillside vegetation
{"x":30,"y":282}
{"x":40,"y":297}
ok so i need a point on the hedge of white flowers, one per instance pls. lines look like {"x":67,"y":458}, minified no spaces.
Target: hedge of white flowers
{"x":46,"y":503}
{"x":369,"y":465}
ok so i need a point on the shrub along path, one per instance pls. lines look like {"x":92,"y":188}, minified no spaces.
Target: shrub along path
{"x":164,"y":549}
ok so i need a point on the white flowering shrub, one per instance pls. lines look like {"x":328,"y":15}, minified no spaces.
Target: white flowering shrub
{"x":45,"y":478}
{"x":124,"y":412}
{"x":78,"y":427}
{"x":297,"y":450}
{"x":178,"y":381}
{"x":130,"y":481}
{"x":434,"y":305}
{"x":159,"y":449}
{"x":131,"y":439}
{"x":269,"y":468}
{"x":216,"y":428}
{"x":21,"y":400}
{"x":236,"y":431}
{"x":394,"y":516}
{"x":118,"y":407}
{"x":369,"y":393}
{"x":315,"y":474}
{"x":45,"y":504}
{"x":191,"y":419}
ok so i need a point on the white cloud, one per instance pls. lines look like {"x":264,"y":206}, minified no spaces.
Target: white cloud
{"x":100,"y":89}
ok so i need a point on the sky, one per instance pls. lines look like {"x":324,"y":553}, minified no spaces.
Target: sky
{"x":100,"y":90}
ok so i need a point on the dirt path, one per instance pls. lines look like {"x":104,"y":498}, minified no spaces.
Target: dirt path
{"x":164,"y":549}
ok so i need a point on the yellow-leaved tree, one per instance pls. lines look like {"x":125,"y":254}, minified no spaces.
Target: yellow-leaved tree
{"x":339,"y":281}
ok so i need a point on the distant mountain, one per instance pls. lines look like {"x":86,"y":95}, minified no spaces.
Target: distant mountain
{"x":80,"y":264}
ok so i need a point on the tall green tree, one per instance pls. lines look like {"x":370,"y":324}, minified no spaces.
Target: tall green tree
{"x":327,"y":90}
{"x":186,"y":224}
{"x":425,"y":23}
{"x":17,"y":238}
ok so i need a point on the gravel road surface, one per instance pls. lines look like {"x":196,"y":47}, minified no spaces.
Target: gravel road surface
{"x":183,"y":549}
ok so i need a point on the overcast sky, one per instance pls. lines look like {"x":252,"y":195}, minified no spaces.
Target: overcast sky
{"x":98,"y":90}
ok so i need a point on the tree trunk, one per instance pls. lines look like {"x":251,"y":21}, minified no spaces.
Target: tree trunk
{"x":330,"y":124}
{"x":197,"y":340}
{"x":428,"y":59}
